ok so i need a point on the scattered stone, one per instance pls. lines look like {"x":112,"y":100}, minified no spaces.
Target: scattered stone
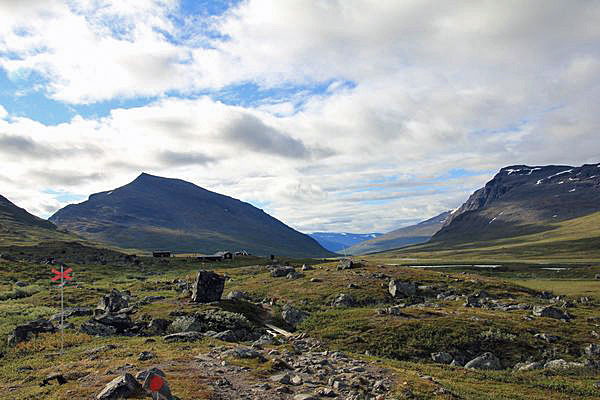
{"x":243,"y":352}
{"x":237,"y":295}
{"x":326,"y":392}
{"x":472,"y":302}
{"x":146,"y":355}
{"x":345,"y":264}
{"x":485,"y":361}
{"x":296,"y":380}
{"x":24,"y":332}
{"x":353,"y":286}
{"x":529,"y":366}
{"x":442,"y":358}
{"x":60,"y":379}
{"x":151,"y":299}
{"x":281,"y":271}
{"x":562,"y":364}
{"x":158,"y":327}
{"x":305,"y":396}
{"x":283,"y":379}
{"x":111,"y":303}
{"x":546,"y":337}
{"x":294,"y":275}
{"x":550,"y":312}
{"x":399,"y":288}
{"x":597,"y":276}
{"x":343,"y":300}
{"x":21,"y":284}
{"x":72,"y":312}
{"x":183,"y":337}
{"x":307,"y":267}
{"x":208,"y":287}
{"x":592,"y":350}
{"x":314,"y":280}
{"x":124,"y":386}
{"x":155,"y":379}
{"x":293,"y":316}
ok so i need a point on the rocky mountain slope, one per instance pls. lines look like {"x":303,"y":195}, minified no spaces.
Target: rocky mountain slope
{"x":153,"y":213}
{"x":414,"y":234}
{"x":522,"y":200}
{"x":335,"y":241}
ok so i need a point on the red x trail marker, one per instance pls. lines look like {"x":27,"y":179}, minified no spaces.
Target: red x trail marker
{"x":156,"y":383}
{"x":64,"y":274}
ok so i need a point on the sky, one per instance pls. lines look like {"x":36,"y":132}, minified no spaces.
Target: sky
{"x":331,"y":115}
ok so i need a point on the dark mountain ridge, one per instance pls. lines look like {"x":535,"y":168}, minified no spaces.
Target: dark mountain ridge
{"x":153,"y":213}
{"x":522,"y":200}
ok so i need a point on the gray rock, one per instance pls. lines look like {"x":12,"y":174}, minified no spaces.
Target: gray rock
{"x":345,"y":264}
{"x":344,"y":300}
{"x":217,"y":321}
{"x":284,"y":379}
{"x":485,"y":361}
{"x":529,"y":366}
{"x":307,"y":267}
{"x":243,"y":352}
{"x":226,"y":336}
{"x":121,"y":387}
{"x":294,"y":275}
{"x":550,"y":312}
{"x":113,"y":302}
{"x":398,"y":288}
{"x":473,"y":302}
{"x":562,"y":364}
{"x":546,"y":337}
{"x":22,"y":333}
{"x":183,"y":337}
{"x":293,"y":316}
{"x":158,"y":327}
{"x":72,"y":312}
{"x":120,"y":322}
{"x":151,"y":299}
{"x":305,"y":396}
{"x":281,"y":271}
{"x":21,"y":284}
{"x":208,"y":287}
{"x":151,"y":376}
{"x":442,"y":358}
{"x":315,"y":280}
{"x":592,"y":350}
{"x":237,"y":295}
{"x":597,"y":276}
{"x":141,"y":376}
{"x":146,"y":355}
{"x":96,"y":329}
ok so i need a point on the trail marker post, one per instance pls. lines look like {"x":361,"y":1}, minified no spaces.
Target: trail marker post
{"x":62,"y":275}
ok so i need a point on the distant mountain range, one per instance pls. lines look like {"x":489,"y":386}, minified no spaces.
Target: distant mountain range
{"x":336,"y":242}
{"x":153,"y":213}
{"x":414,"y":234}
{"x":522,"y":200}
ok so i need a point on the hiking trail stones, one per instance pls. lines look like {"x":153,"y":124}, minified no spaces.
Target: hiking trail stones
{"x":398,"y":288}
{"x":24,"y":332}
{"x":208,"y":287}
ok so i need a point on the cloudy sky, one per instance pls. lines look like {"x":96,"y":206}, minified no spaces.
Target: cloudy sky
{"x":331,"y":115}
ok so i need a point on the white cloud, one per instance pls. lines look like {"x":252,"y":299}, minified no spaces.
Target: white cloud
{"x":435,"y":86}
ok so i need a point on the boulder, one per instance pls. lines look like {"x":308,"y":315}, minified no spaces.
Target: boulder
{"x":472,"y":301}
{"x":345,"y":264}
{"x":217,"y":321}
{"x":485,"y":361}
{"x":592,"y":350}
{"x":183,"y":337}
{"x":24,"y":332}
{"x":398,"y":288}
{"x":293,"y":316}
{"x":121,"y":387}
{"x":226,"y":336}
{"x":96,"y":329}
{"x":21,"y":284}
{"x":158,"y":326}
{"x":307,"y":267}
{"x":597,"y":276}
{"x":120,"y":322}
{"x":529,"y":366}
{"x":155,"y":381}
{"x":113,"y":302}
{"x":344,"y":300}
{"x":243,"y":352}
{"x":281,"y":271}
{"x":146,"y":355}
{"x":208,"y":287}
{"x":442,"y":358}
{"x":237,"y":295}
{"x":72,"y":312}
{"x":550,"y":312}
{"x":294,"y":275}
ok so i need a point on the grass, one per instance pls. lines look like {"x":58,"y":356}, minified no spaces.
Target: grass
{"x":400,"y":343}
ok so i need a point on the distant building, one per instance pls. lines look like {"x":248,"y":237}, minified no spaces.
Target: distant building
{"x":242,"y":253}
{"x":161,"y":254}
{"x":226,"y":255}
